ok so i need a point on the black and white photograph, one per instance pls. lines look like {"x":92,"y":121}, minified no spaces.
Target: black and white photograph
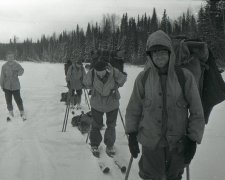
{"x":112,"y":89}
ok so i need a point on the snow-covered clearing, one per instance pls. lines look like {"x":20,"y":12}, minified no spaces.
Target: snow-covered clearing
{"x":38,"y":150}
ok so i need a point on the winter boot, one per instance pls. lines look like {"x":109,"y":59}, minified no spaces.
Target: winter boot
{"x":110,"y":151}
{"x":22,"y":114}
{"x":95,"y":151}
{"x":10,"y":116}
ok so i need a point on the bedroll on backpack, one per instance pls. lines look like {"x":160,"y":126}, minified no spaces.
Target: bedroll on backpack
{"x":82,"y":122}
{"x":195,"y":56}
{"x":115,"y":58}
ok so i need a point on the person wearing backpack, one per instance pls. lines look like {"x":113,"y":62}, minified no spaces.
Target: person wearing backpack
{"x":165,"y":119}
{"x":104,"y":81}
{"x":67,"y":65}
{"x":10,"y":84}
{"x":74,"y":78}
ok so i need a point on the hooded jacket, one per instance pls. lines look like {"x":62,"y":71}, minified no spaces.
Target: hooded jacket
{"x":105,"y":96}
{"x":75,"y":76}
{"x":9,"y":75}
{"x":144,"y":110}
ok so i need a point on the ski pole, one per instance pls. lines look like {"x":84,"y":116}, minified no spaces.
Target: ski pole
{"x":87,"y":99}
{"x":129,"y":167}
{"x":89,"y":106}
{"x":68,"y":104}
{"x":121,"y":117}
{"x":65,"y":118}
{"x":188,"y":172}
{"x":67,"y":112}
{"x":131,"y":158}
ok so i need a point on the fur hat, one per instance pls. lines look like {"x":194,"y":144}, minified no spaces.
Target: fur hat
{"x":100,"y":65}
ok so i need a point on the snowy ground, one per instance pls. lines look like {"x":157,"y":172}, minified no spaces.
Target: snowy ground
{"x":38,"y":150}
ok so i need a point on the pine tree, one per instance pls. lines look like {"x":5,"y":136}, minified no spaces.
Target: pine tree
{"x":154,"y":22}
{"x":164,"y":25}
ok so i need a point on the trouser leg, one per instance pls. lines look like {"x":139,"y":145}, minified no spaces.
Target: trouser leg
{"x":8,"y":98}
{"x":160,"y":164}
{"x":110,"y":132}
{"x":18,"y":99}
{"x":175,"y":166}
{"x":95,"y":134}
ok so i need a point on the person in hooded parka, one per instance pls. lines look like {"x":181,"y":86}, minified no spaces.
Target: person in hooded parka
{"x":74,"y":78}
{"x":160,"y":118}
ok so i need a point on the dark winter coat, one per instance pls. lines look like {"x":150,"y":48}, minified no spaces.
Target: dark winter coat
{"x":9,"y":75}
{"x":105,"y":96}
{"x":144,"y":111}
{"x":66,"y":66}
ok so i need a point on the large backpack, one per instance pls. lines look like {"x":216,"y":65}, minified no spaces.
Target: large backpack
{"x":195,"y":56}
{"x":82,"y":122}
{"x":114,"y":57}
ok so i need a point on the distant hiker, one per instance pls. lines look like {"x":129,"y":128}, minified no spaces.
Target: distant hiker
{"x":164,"y":119}
{"x":67,"y":65}
{"x":104,"y":80}
{"x":10,"y":84}
{"x":74,"y":78}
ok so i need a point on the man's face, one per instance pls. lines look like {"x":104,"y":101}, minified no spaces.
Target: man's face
{"x":101,"y":74}
{"x":10,"y":57}
{"x":160,"y":58}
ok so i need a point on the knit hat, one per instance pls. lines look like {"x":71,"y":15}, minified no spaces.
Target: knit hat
{"x":100,"y":65}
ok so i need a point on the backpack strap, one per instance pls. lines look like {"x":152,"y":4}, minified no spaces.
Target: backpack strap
{"x":182,"y":80}
{"x":93,"y":76}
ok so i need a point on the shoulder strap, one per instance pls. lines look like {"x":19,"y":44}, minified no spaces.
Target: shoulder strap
{"x":182,"y":80}
{"x":144,"y":79}
{"x":92,"y":77}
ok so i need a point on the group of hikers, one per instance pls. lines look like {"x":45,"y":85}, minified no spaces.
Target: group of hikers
{"x":167,"y":123}
{"x":164,"y":117}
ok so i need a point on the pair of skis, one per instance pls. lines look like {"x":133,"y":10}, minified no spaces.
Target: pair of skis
{"x":106,"y":169}
{"x":118,"y":161}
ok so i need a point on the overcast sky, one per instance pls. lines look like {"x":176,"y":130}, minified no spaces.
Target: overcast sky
{"x":32,"y":18}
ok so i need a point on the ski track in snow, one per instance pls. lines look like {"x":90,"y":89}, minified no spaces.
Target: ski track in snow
{"x":37,"y":149}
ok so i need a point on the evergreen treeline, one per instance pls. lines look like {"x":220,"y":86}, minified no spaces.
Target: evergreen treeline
{"x":128,"y":33}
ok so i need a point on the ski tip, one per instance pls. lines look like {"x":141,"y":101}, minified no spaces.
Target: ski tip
{"x":123,"y":169}
{"x":106,"y":170}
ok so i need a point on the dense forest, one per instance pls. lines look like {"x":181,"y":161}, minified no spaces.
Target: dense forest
{"x":127,"y":33}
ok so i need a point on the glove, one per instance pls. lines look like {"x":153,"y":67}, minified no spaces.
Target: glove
{"x":189,"y":149}
{"x":133,"y":144}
